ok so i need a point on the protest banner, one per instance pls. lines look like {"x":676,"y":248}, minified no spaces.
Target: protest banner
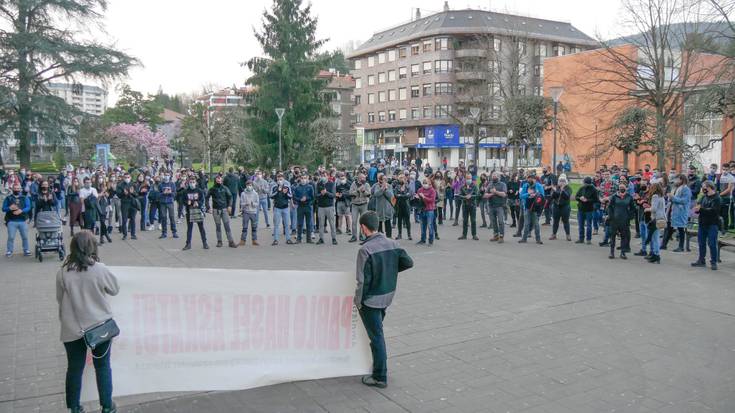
{"x":192,"y":329}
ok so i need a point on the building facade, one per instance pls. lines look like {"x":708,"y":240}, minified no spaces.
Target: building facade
{"x":89,"y":99}
{"x":339,"y":90}
{"x":419,"y":80}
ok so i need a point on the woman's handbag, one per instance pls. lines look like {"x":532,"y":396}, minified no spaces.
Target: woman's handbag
{"x":660,"y":224}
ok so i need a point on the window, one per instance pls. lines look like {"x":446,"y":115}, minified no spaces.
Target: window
{"x":442,"y":66}
{"x":415,"y":91}
{"x":357,"y":100}
{"x":391,"y":75}
{"x":427,"y":112}
{"x":574,"y":50}
{"x":415,"y":49}
{"x":402,"y":93}
{"x":427,"y":67}
{"x":538,"y":91}
{"x":427,"y":46}
{"x":371,"y":117}
{"x":381,"y":77}
{"x":371,"y":61}
{"x":443,"y":111}
{"x":402,"y":114}
{"x":415,"y":70}
{"x":541,"y":50}
{"x":381,"y":96}
{"x":358,"y":64}
{"x":381,"y":116}
{"x":427,"y":89}
{"x":521,"y":48}
{"x":402,"y":52}
{"x":495,"y":66}
{"x":371,"y":98}
{"x":371,"y":80}
{"x":497,"y":44}
{"x":494,"y":88}
{"x":381,"y":58}
{"x":391,"y":55}
{"x":522,"y":69}
{"x":559,"y":50}
{"x":443,"y":88}
{"x":358,"y":83}
{"x":391,"y":115}
{"x":391,"y":95}
{"x":441,"y":43}
{"x":402,"y":72}
{"x":415,"y":113}
{"x":537,"y":70}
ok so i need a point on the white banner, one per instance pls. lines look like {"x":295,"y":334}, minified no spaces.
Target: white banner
{"x":189,"y":329}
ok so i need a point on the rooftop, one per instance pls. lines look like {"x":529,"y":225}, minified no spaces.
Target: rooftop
{"x":474,"y":21}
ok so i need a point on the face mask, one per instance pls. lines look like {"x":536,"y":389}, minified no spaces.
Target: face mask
{"x":621,"y":190}
{"x":249,"y":188}
{"x":87,"y":185}
{"x":280,"y":181}
{"x":16,"y":193}
{"x":259,"y":176}
{"x":127,"y":180}
{"x":344,"y":181}
{"x":192,"y":185}
{"x":166,"y":178}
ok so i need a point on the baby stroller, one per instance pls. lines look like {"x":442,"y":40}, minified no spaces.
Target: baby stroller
{"x":49,"y":234}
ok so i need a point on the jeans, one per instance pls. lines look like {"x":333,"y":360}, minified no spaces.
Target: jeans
{"x":76,"y":356}
{"x":643,"y":229}
{"x":326,"y":215}
{"x":531,"y":222}
{"x":707,"y":236}
{"x":222,"y":218}
{"x":561,"y":213}
{"x":250,"y":218}
{"x":167,"y":211}
{"x":585,"y":221}
{"x":190,"y":231}
{"x":357,"y":211}
{"x":497,"y":220}
{"x":143,"y":216}
{"x":303,"y":218}
{"x":597,"y":216}
{"x":128,"y":220}
{"x":153,"y":208}
{"x":281,"y":214}
{"x":292,"y":217}
{"x":427,"y":220}
{"x":372,"y":319}
{"x":457,"y":208}
{"x":263,"y":206}
{"x":13,"y":227}
{"x":233,"y":204}
{"x":655,"y":242}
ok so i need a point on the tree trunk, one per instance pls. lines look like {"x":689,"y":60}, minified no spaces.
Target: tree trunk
{"x":625,"y":159}
{"x":660,"y":139}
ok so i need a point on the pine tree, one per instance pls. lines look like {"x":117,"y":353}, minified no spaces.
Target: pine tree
{"x":35,"y":48}
{"x":286,"y":78}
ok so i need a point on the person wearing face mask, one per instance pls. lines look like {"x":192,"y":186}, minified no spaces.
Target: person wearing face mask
{"x":469,"y":194}
{"x":529,"y":221}
{"x":457,"y":184}
{"x":708,"y":211}
{"x":142,"y":187}
{"x":262,"y":187}
{"x":342,"y":197}
{"x":680,"y":201}
{"x":249,"y":203}
{"x":154,"y":203}
{"x":104,"y":214}
{"x":727,"y":191}
{"x":620,"y":211}
{"x":641,"y":202}
{"x":221,"y":199}
{"x":167,"y":194}
{"x":496,"y":197}
{"x":74,"y":205}
{"x":427,"y":196}
{"x":89,"y":196}
{"x":196,"y":200}
{"x":360,"y":196}
{"x":281,"y":195}
{"x":303,"y":193}
{"x":129,"y":206}
{"x":325,"y":203}
{"x":16,"y":207}
{"x":382,"y":194}
{"x":379,"y":261}
{"x":403,"y":193}
{"x":46,"y":199}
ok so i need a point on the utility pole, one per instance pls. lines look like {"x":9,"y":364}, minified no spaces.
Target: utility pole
{"x":279,"y":113}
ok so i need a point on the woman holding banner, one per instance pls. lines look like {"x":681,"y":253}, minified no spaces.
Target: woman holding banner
{"x":82,"y":287}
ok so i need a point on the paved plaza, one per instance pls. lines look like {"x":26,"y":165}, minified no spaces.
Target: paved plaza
{"x":475,"y":327}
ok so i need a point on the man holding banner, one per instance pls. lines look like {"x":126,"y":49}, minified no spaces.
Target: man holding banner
{"x":379,"y":261}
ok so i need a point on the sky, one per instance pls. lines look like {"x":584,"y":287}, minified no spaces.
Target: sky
{"x":185,"y":45}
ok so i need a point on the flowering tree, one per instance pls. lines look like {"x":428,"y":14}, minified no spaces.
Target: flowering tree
{"x":127,"y":140}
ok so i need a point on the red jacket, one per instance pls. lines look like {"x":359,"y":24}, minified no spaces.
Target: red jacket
{"x":429,"y":198}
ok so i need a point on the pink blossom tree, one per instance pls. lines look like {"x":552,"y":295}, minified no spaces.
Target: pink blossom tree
{"x":126,"y":140}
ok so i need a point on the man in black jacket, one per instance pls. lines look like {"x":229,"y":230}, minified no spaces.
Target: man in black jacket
{"x":325,"y":192}
{"x":221,"y":205}
{"x":232,"y":182}
{"x":620,"y":211}
{"x":587,"y":196}
{"x":128,"y":206}
{"x":378,"y":263}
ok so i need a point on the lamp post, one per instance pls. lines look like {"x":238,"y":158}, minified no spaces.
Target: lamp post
{"x":556,"y":92}
{"x":280,"y":112}
{"x":475,"y":113}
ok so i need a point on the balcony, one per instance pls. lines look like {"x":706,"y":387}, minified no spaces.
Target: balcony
{"x":470,"y":53}
{"x":471,"y":98}
{"x":471,"y":75}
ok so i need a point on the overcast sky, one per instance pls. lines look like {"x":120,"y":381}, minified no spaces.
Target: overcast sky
{"x":185,"y":44}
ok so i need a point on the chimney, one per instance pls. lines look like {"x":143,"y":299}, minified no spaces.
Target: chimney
{"x":418,"y":13}
{"x":446,"y":6}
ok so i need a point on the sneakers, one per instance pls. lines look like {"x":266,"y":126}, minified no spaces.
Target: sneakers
{"x":205,"y":246}
{"x":370,"y":381}
{"x":495,"y":238}
{"x":163,"y":236}
{"x":242,"y":242}
{"x":186,"y":247}
{"x":569,"y":237}
{"x":699,"y":264}
{"x":232,"y":244}
{"x":176,"y":235}
{"x":320,"y":242}
{"x":219,"y":244}
{"x":475,"y":238}
{"x":462,"y":237}
{"x":353,"y":239}
{"x":334,"y":241}
{"x":274,"y":243}
{"x":579,"y":241}
{"x":112,"y":409}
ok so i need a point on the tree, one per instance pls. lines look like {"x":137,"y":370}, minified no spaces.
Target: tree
{"x":334,"y":60}
{"x":132,"y":107}
{"x":631,"y":131}
{"x":526,"y":118}
{"x":286,"y":78}
{"x":327,"y":141}
{"x":37,"y":48}
{"x":177,"y":103}
{"x":128,"y":141}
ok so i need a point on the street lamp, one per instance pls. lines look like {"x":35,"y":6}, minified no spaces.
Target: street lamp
{"x":556,"y":92}
{"x":280,"y":112}
{"x":475,"y":113}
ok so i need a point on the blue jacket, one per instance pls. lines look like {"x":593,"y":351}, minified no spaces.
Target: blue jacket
{"x":524,"y":192}
{"x":300,"y":191}
{"x":680,"y":204}
{"x":167,"y":198}
{"x":23,"y":201}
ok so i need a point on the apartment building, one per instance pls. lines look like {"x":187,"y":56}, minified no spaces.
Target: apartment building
{"x":415,"y":83}
{"x":87,"y":98}
{"x":339,"y":90}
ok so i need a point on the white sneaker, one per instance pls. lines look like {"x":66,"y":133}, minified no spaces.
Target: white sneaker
{"x":159,"y":227}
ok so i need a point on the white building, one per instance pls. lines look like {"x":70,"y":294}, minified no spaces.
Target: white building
{"x":87,"y":98}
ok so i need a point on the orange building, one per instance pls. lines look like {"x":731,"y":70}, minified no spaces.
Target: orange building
{"x":592,"y":99}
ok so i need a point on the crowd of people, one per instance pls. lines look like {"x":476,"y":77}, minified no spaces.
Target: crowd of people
{"x":300,"y":204}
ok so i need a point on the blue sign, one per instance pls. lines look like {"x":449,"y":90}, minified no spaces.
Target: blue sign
{"x":440,"y":136}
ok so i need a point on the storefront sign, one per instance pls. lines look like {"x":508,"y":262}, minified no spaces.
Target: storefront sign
{"x":440,"y":136}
